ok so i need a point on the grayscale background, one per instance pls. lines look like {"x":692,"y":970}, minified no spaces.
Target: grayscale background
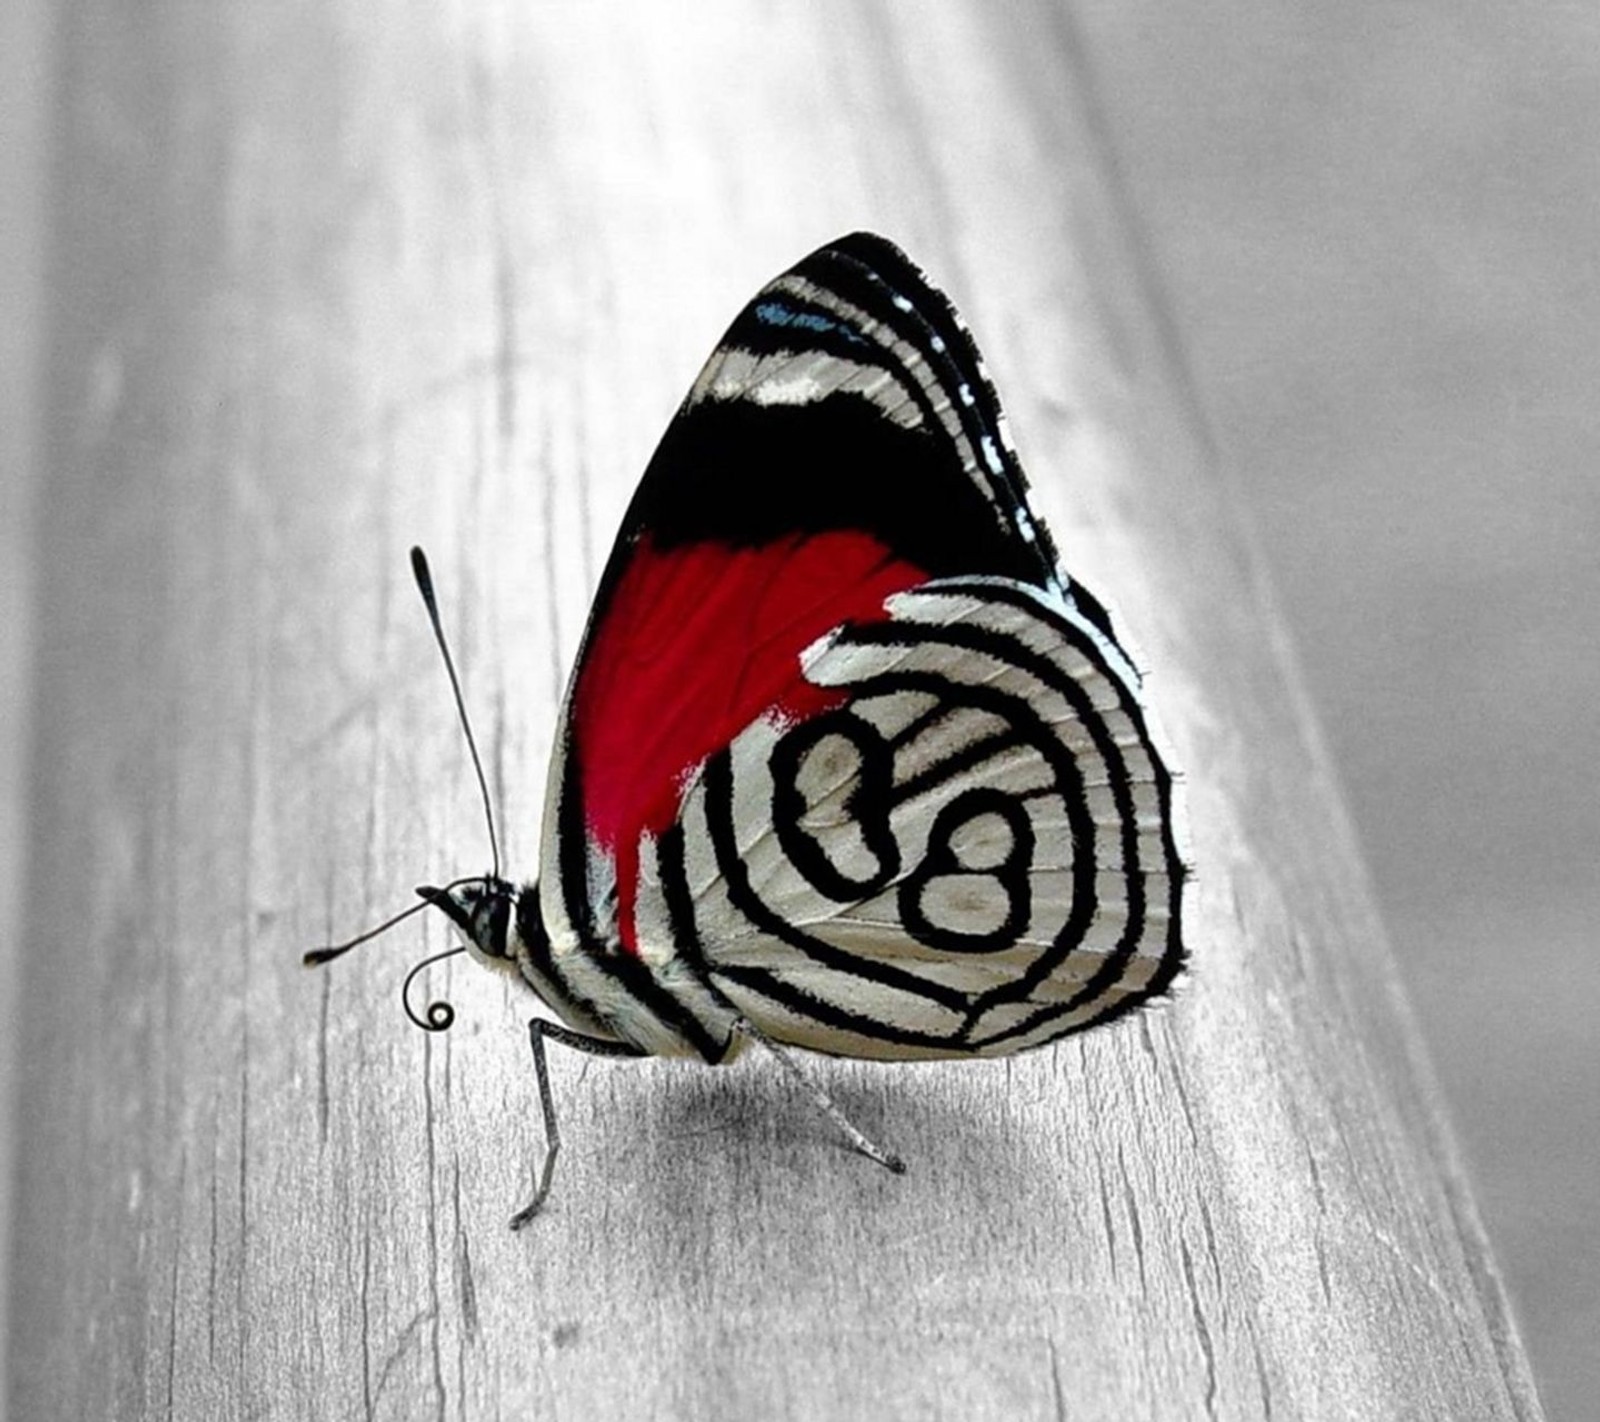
{"x":1377,"y":228}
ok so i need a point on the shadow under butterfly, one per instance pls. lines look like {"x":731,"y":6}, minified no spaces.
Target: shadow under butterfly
{"x":846,"y":763}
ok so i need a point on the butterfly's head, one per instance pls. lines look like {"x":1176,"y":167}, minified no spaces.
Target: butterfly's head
{"x":480,"y":908}
{"x":481,"y":911}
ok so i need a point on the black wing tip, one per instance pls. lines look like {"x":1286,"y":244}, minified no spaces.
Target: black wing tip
{"x":882,"y":257}
{"x":864,"y":243}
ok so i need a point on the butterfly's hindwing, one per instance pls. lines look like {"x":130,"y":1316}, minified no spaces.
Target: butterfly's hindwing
{"x":970,"y":855}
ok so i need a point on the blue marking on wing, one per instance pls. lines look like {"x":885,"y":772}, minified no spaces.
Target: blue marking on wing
{"x":775,"y":313}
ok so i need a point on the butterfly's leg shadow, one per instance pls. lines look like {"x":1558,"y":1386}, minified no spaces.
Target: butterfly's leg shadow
{"x":538,"y":1030}
{"x":824,"y":1103}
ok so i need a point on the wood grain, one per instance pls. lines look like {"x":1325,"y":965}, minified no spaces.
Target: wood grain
{"x":334,"y":278}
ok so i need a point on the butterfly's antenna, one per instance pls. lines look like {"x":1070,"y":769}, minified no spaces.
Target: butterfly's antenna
{"x":419,"y":569}
{"x":316,"y":957}
{"x":439,"y":1015}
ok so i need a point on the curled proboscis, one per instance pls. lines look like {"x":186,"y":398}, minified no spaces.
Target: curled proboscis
{"x":439,"y":1014}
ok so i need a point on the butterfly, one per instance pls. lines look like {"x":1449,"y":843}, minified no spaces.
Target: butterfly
{"x":847,"y":763}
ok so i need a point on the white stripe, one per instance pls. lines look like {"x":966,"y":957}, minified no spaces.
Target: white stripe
{"x":802,"y":378}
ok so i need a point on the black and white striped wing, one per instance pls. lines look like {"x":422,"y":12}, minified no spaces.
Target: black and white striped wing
{"x":971,"y":855}
{"x":845,"y":751}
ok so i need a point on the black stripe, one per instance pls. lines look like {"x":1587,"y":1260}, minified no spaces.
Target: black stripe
{"x":680,"y":915}
{"x":973,"y":754}
{"x":572,"y":836}
{"x":679,"y":901}
{"x":829,"y":1014}
{"x":918,"y":724}
{"x":634,"y":975}
{"x":530,"y":925}
{"x":749,"y":475}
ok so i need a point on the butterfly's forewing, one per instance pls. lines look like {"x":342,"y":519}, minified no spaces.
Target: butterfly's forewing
{"x":844,"y":753}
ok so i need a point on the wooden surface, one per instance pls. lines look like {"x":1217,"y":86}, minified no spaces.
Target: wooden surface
{"x":24,"y":27}
{"x":335,"y":278}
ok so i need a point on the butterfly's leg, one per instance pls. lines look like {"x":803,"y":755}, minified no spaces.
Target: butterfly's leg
{"x":825,"y":1103}
{"x":538,"y":1030}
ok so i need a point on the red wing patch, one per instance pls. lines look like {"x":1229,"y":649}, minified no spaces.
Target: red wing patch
{"x":696,"y":643}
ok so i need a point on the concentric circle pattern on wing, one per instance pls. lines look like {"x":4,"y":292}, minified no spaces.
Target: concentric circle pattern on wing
{"x":971,"y":853}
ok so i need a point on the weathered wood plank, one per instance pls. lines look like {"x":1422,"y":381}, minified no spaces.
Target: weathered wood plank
{"x":23,"y":108}
{"x":334,"y":278}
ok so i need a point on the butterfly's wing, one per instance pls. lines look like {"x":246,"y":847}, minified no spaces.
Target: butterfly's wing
{"x":844,"y":751}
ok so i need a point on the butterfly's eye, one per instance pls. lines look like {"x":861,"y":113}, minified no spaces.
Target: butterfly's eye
{"x":481,"y":914}
{"x":491,"y":920}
